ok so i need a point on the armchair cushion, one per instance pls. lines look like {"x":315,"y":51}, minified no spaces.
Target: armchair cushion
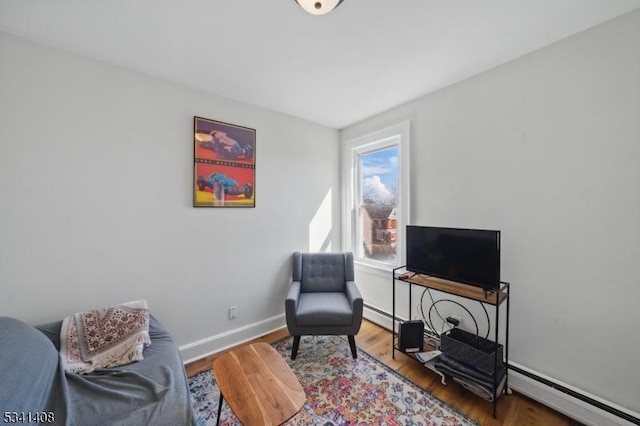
{"x":320,"y":272}
{"x":324,"y":309}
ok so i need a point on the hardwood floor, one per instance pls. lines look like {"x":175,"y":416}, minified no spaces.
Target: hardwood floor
{"x":514,"y":409}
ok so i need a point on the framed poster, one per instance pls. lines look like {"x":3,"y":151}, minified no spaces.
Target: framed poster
{"x":224,"y":164}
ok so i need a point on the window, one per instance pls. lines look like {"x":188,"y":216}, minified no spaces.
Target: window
{"x":376,"y":197}
{"x":376,"y":204}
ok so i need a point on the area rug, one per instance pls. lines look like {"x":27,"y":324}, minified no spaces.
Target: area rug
{"x":340,"y":390}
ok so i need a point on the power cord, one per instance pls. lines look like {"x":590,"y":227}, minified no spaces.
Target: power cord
{"x":433,"y":305}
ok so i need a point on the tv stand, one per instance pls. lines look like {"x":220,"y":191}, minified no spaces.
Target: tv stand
{"x":489,"y":297}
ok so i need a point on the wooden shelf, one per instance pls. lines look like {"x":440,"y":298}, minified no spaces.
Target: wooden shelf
{"x":491,"y":297}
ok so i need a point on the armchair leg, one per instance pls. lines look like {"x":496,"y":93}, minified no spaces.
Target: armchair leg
{"x":294,"y":350}
{"x":352,"y":344}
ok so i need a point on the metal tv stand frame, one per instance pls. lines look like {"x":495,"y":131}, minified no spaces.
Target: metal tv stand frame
{"x":490,"y":297}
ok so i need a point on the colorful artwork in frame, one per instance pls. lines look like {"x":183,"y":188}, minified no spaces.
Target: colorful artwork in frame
{"x":224,"y":166}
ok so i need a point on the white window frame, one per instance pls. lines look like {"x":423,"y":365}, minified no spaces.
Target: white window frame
{"x":397,"y":135}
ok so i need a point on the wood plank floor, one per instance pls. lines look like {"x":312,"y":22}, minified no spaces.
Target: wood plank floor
{"x":514,"y":409}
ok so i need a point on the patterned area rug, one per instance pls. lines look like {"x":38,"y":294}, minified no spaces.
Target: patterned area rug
{"x":340,"y":390}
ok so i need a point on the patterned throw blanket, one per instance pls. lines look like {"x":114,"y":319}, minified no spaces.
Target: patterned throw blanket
{"x":104,"y":338}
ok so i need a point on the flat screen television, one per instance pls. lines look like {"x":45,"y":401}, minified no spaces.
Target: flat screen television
{"x":470,"y":256}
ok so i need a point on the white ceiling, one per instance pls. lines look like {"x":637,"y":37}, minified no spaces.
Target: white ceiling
{"x":361,"y":59}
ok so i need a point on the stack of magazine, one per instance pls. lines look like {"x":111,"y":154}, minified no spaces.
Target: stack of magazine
{"x":427,"y":356}
{"x":470,"y":378}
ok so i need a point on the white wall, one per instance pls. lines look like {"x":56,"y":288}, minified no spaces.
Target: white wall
{"x":547,"y":149}
{"x":96,"y":166}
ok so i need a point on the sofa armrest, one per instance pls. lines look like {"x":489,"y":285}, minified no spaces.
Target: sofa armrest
{"x":52,"y":331}
{"x":291,"y":304}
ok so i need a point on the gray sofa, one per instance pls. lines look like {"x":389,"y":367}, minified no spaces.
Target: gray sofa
{"x":35,"y":389}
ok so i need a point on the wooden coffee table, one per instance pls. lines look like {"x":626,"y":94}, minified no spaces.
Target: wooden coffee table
{"x":258,"y":385}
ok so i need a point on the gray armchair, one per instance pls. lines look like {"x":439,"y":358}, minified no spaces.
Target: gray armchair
{"x":323,"y":298}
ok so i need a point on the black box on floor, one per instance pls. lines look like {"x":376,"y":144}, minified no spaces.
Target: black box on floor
{"x":411,"y":336}
{"x":470,"y":349}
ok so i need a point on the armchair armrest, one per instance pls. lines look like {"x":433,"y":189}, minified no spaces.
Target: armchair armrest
{"x":355,"y":298}
{"x":291,"y":302}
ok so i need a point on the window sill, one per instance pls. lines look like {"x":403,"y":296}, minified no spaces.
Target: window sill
{"x":383,"y":271}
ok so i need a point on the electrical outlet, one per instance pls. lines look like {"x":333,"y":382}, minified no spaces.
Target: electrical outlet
{"x":233,"y":312}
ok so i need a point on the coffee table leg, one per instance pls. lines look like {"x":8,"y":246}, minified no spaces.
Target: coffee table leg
{"x":219,"y":408}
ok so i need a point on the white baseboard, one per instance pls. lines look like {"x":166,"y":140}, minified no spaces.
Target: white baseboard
{"x":219,"y":342}
{"x":566,"y":404}
{"x":559,"y":401}
{"x":383,"y":320}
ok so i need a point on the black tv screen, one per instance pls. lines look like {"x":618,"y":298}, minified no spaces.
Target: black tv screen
{"x":470,"y":256}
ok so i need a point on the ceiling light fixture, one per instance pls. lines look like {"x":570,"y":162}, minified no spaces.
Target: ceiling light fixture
{"x":318,"y":7}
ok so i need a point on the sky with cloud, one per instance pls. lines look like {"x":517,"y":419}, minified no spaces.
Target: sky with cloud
{"x":380,"y":175}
